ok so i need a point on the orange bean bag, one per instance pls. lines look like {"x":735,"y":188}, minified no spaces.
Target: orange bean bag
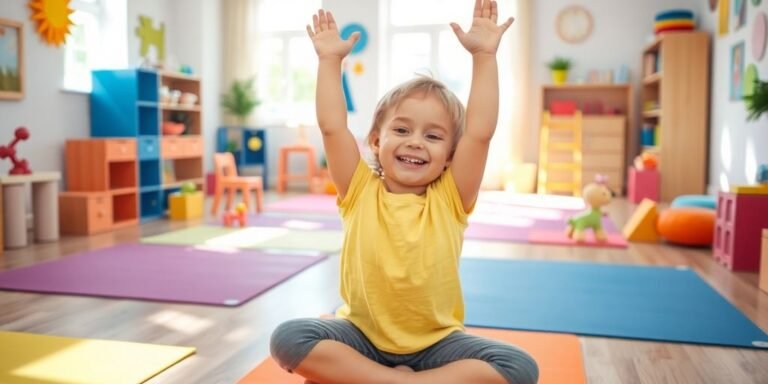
{"x":687,"y":226}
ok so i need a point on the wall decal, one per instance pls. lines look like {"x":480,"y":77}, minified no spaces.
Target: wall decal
{"x":759,"y":32}
{"x":52,"y":18}
{"x":737,"y":71}
{"x":151,"y":37}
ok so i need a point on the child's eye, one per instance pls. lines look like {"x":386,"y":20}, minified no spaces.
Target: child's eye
{"x":401,"y":130}
{"x":434,"y":137}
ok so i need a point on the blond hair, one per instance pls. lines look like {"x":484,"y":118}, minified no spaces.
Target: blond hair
{"x":428,"y":86}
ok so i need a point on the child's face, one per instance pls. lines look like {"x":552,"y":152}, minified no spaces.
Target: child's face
{"x":414,"y":144}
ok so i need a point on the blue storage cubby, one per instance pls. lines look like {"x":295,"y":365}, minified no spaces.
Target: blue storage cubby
{"x":252,"y":148}
{"x":148,"y":147}
{"x":151,"y":204}
{"x":149,"y":118}
{"x":149,"y":173}
{"x":148,"y":85}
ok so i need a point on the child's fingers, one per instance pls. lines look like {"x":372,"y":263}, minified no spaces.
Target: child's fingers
{"x":309,"y":31}
{"x":507,"y":24}
{"x":486,"y":9}
{"x":316,"y":23}
{"x":354,"y":37}
{"x":494,"y":11}
{"x":478,"y":8}
{"x":331,"y":21}
{"x":323,"y":20}
{"x":457,"y":30}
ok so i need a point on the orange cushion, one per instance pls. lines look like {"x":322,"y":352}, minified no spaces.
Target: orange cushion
{"x":688,"y":226}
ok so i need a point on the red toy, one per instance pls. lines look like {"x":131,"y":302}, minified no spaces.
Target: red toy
{"x":236,"y":215}
{"x":20,"y":166}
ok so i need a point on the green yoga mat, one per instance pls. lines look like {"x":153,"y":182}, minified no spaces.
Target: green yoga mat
{"x":325,"y":241}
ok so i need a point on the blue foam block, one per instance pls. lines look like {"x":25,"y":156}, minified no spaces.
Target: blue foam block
{"x":634,"y":302}
{"x":696,"y":201}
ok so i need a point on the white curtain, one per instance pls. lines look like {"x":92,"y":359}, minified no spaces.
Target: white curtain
{"x":239,"y":42}
{"x":507,"y":148}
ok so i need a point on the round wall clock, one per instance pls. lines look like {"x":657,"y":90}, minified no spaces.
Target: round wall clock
{"x":574,"y":24}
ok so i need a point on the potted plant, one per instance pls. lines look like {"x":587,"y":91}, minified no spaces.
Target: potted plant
{"x":241,"y":100}
{"x":559,"y":67}
{"x":757,"y":101}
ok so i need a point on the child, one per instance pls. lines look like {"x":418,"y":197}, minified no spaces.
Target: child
{"x":402,"y":319}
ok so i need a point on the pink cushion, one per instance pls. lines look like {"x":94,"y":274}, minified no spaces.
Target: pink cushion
{"x":688,"y":226}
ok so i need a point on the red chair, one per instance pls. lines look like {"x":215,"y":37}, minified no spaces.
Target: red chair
{"x":228,"y":180}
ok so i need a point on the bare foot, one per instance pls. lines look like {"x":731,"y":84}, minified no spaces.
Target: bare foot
{"x":403,"y":368}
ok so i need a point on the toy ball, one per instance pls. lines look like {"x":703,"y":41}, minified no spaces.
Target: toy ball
{"x":188,"y":187}
{"x":646,"y":161}
{"x":240,"y":208}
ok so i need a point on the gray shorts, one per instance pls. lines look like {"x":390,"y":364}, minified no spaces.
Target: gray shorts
{"x":294,"y":339}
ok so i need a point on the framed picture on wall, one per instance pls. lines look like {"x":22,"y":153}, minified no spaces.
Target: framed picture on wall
{"x":737,"y":72}
{"x":11,"y":60}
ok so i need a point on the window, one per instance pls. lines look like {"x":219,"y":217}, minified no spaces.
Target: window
{"x":81,"y":45}
{"x":419,"y":41}
{"x":287,"y":63}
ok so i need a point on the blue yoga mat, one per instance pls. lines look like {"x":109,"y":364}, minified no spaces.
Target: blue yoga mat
{"x":634,"y":302}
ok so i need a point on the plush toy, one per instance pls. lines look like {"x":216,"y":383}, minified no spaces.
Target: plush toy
{"x":595,"y":195}
{"x":236,"y":215}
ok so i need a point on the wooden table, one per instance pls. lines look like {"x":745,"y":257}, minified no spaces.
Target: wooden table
{"x":45,"y":208}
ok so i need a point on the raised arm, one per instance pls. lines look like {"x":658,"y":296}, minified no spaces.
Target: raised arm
{"x":482,"y":41}
{"x":340,"y":145}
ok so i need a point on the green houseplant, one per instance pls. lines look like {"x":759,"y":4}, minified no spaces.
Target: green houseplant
{"x":559,"y":67}
{"x":240,"y":100}
{"x":757,"y":102}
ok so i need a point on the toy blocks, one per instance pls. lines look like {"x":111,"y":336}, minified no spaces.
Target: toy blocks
{"x":643,"y":185}
{"x":642,"y":225}
{"x":186,"y":206}
{"x":740,"y":220}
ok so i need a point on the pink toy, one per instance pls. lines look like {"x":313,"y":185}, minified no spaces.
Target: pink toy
{"x":740,"y":219}
{"x":20,"y":166}
{"x":643,"y":185}
{"x":236,"y":215}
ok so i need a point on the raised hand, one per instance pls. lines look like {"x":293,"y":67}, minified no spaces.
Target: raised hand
{"x":326,"y":39}
{"x":484,"y":35}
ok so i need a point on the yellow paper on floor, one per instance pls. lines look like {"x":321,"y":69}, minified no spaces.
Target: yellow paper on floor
{"x":27,"y":358}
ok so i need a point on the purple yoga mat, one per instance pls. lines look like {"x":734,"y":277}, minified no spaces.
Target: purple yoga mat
{"x":161,"y":273}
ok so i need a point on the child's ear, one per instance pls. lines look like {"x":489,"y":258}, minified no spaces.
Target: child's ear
{"x":374,"y":142}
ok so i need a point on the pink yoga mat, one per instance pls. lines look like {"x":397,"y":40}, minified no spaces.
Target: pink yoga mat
{"x":161,"y":273}
{"x":315,"y":203}
{"x":498,"y":216}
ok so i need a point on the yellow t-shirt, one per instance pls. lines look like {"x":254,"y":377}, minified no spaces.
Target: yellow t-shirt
{"x":400,"y":262}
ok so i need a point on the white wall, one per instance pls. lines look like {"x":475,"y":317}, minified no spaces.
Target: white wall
{"x":736,"y":147}
{"x":50,"y":114}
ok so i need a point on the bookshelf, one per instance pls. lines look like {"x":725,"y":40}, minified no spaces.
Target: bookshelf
{"x":675,"y":109}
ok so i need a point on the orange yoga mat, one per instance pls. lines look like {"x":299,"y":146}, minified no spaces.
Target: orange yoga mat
{"x":558,"y":355}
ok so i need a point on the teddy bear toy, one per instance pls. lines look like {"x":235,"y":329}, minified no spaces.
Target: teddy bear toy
{"x":596,"y":195}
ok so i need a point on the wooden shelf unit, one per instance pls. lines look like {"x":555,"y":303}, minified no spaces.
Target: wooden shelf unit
{"x":102,"y":183}
{"x":676,"y":80}
{"x":604,"y":136}
{"x":127,"y":103}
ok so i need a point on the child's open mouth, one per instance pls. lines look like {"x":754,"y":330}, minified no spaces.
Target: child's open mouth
{"x":410,"y":162}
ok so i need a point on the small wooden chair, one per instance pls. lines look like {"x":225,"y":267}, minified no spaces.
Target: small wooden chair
{"x":228,"y":180}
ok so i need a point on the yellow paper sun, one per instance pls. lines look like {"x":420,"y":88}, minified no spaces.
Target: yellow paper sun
{"x":52,"y":18}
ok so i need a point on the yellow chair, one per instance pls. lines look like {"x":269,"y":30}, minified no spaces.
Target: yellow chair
{"x":559,"y":152}
{"x":228,"y":181}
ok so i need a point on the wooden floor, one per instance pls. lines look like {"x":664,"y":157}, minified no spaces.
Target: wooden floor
{"x":231,"y":341}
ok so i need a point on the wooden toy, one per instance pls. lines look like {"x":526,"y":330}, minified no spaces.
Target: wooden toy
{"x":20,"y":166}
{"x":236,"y":215}
{"x":641,"y":227}
{"x":740,"y":220}
{"x":595,"y":195}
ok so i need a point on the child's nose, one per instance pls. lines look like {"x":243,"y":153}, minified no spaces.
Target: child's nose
{"x":415,"y":142}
